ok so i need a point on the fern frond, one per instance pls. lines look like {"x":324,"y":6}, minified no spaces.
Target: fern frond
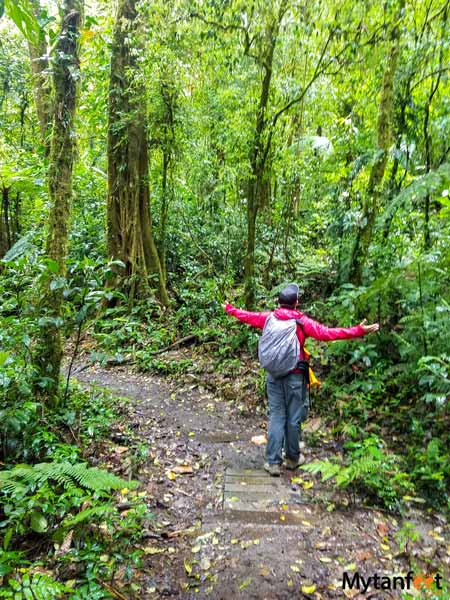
{"x":23,"y":477}
{"x":327,"y":468}
{"x":96,"y":511}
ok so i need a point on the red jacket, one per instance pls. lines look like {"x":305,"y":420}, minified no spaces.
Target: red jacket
{"x":310,"y":327}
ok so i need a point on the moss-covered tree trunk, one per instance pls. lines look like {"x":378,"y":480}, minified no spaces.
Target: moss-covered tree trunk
{"x":65,"y":66}
{"x":258,"y":156}
{"x":41,"y":82}
{"x":384,"y":134}
{"x":130,"y":236}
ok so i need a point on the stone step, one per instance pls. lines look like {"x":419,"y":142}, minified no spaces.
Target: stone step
{"x":263,"y":488}
{"x":247,"y":473}
{"x":254,"y":490}
{"x":235,"y":479}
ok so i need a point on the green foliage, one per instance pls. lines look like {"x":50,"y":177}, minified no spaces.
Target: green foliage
{"x":38,"y":586}
{"x":22,"y":478}
{"x":21,"y":12}
{"x":368,"y":470}
{"x":313,"y":194}
{"x":36,"y":497}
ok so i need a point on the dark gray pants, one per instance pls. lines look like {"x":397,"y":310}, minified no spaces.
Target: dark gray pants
{"x":288,"y":408}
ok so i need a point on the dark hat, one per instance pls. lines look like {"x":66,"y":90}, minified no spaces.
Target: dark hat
{"x":289,"y":295}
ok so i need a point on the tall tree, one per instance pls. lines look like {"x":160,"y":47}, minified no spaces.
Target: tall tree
{"x":259,"y":149}
{"x":130,"y":236}
{"x":41,"y":81}
{"x":384,"y":136}
{"x":65,"y":65}
{"x":428,"y":142}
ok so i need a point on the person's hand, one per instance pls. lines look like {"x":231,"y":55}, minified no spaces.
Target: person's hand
{"x":224,"y":305}
{"x":369,"y":328}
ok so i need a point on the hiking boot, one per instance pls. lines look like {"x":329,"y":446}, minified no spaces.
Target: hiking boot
{"x":293,"y":463}
{"x":273,"y":470}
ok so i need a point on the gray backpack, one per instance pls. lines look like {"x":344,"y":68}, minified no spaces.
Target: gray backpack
{"x":279,"y":348}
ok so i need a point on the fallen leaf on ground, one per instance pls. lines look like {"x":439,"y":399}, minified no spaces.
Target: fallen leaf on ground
{"x":188,"y":567}
{"x":325,"y":559}
{"x":195,"y":549}
{"x":171,"y":475}
{"x":297,"y":480}
{"x":312,"y":425}
{"x":436,"y":536}
{"x":182,"y":469}
{"x":363,"y":555}
{"x":259,"y":440}
{"x":264,"y":571}
{"x":153,"y":550}
{"x":308,"y":589}
{"x":245,"y":583}
{"x":350,"y":593}
{"x":65,"y":546}
{"x":382,"y":529}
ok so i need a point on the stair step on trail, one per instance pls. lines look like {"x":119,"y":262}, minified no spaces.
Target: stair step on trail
{"x":255,"y":490}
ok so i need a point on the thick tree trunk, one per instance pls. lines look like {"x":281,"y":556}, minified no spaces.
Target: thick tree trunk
{"x":130,"y":236}
{"x":371,"y":203}
{"x":41,"y":83}
{"x":48,"y":352}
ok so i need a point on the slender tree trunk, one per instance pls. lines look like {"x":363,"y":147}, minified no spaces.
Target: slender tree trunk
{"x":4,"y":246}
{"x":371,"y":203}
{"x":48,"y":353}
{"x":434,"y":85}
{"x":130,"y":236}
{"x":164,"y":212}
{"x":6,"y":216}
{"x":41,"y":83}
{"x":258,"y":156}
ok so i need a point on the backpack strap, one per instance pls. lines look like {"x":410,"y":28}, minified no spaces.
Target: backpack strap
{"x":300,"y":324}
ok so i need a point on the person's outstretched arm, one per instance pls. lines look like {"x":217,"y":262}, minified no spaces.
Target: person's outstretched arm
{"x":318,"y":331}
{"x":255,"y":319}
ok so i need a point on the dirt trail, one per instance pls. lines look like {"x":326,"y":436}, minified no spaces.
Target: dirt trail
{"x":298,"y":546}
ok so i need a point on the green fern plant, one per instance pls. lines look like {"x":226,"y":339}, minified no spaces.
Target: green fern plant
{"x":367,"y":469}
{"x":38,"y":586}
{"x":22,"y":478}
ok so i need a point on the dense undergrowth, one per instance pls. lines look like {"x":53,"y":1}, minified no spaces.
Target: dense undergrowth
{"x":384,"y":397}
{"x":62,"y":529}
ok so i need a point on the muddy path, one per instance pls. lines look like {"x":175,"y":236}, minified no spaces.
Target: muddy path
{"x":223,"y":529}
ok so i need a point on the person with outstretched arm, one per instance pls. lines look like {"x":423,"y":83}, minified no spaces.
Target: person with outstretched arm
{"x":287,"y":395}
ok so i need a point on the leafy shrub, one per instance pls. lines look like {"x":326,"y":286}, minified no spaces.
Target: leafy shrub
{"x":37,"y":497}
{"x":38,"y":586}
{"x":367,"y":470}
